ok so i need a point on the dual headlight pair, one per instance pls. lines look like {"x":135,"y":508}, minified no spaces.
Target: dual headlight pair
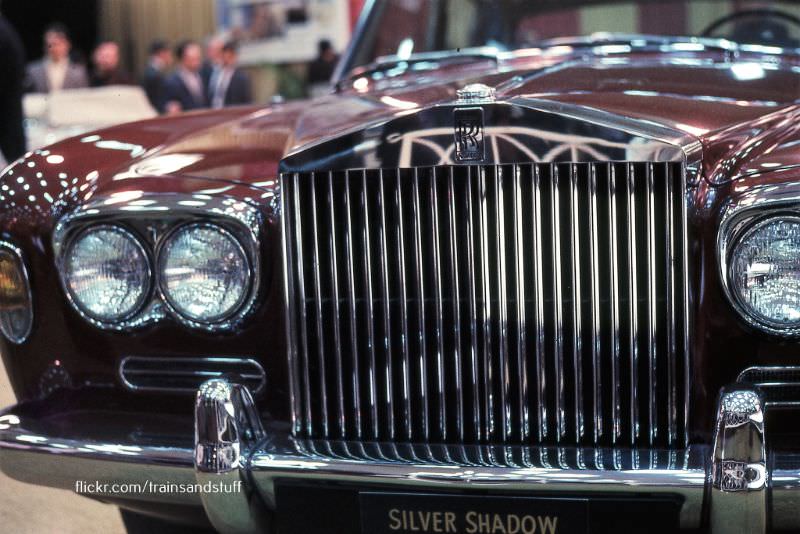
{"x":200,"y":270}
{"x":763,"y":273}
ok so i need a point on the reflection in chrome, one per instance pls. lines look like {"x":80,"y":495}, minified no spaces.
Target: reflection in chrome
{"x":561,"y":221}
{"x":739,"y":468}
{"x":438,"y":141}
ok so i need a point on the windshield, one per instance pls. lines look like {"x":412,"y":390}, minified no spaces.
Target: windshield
{"x":401,"y":28}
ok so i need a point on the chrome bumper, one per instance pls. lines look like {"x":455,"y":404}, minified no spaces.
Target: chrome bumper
{"x":729,"y":486}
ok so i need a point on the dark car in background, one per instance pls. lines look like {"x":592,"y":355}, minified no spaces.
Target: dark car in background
{"x":501,"y":279}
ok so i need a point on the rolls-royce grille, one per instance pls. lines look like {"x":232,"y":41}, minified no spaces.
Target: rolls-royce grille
{"x":533,"y":304}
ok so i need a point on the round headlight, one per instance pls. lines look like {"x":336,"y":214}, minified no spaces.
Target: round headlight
{"x":765,"y":272}
{"x":204,"y":273}
{"x":16,"y":308}
{"x":107,"y":273}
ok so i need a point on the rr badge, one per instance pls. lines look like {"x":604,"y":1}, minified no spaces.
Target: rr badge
{"x":468,"y":131}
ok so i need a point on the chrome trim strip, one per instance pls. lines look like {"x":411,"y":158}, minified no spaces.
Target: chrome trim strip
{"x":538,"y":286}
{"x":687,"y":310}
{"x":373,"y":363}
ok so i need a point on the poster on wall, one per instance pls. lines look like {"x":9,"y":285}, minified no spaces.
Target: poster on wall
{"x":283,"y":31}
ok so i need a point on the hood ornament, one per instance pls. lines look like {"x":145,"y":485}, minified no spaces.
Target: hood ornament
{"x":475,"y":93}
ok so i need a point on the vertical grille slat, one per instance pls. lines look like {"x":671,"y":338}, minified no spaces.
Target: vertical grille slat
{"x":387,"y":312}
{"x":537,"y":303}
{"x":352,"y":300}
{"x":456,"y":296}
{"x":651,"y":306}
{"x":317,"y":265}
{"x":613,"y":301}
{"x":337,"y":320}
{"x":557,"y":306}
{"x":404,"y":305}
{"x":594,"y":300}
{"x":372,"y":372}
{"x":522,"y":344}
{"x":633,"y":302}
{"x":422,"y":339}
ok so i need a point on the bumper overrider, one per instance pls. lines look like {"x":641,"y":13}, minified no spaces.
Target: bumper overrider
{"x":735,"y":485}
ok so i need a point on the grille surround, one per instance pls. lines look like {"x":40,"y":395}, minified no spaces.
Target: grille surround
{"x":411,"y":251}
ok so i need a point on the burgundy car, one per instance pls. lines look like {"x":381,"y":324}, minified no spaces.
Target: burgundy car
{"x":495,"y":282}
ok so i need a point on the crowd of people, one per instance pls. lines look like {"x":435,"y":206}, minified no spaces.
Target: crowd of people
{"x":175,"y":81}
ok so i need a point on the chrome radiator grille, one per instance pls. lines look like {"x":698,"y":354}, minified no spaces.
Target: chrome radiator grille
{"x":534,"y":304}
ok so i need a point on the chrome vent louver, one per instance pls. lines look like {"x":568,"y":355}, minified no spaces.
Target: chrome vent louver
{"x":780,"y":384}
{"x":185,"y":375}
{"x":507,"y":304}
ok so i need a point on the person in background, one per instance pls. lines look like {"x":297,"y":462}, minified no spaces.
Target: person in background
{"x":155,"y":77}
{"x":12,"y":65}
{"x":184,"y":88}
{"x":56,"y":71}
{"x":320,"y":71}
{"x":107,"y":70}
{"x":213,"y":57}
{"x":229,"y":85}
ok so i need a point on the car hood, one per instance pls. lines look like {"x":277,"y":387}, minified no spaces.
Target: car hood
{"x":743,"y":113}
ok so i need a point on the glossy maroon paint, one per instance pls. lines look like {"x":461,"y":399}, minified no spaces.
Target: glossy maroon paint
{"x":749,"y":130}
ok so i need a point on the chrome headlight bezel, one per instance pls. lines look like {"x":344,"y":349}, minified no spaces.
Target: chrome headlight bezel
{"x":153,"y":216}
{"x":734,"y":230}
{"x":75,"y":301}
{"x":172,"y":307}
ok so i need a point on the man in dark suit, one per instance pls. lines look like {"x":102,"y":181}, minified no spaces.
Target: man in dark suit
{"x":184,"y":88}
{"x":154,"y":80}
{"x":229,"y":85}
{"x":56,"y":70}
{"x":12,"y":65}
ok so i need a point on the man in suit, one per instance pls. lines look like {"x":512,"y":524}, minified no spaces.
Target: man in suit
{"x":185,"y":89}
{"x":12,"y":65}
{"x":107,"y":68}
{"x":229,"y":85}
{"x":154,"y":80}
{"x":56,"y":71}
